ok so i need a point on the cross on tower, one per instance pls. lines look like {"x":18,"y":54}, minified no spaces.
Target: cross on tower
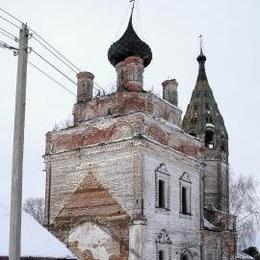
{"x":132,"y":1}
{"x":201,"y":42}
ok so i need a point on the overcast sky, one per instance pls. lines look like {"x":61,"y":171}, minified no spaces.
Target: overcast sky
{"x":83,"y":32}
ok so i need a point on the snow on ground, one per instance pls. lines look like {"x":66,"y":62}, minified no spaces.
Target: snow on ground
{"x":36,"y":241}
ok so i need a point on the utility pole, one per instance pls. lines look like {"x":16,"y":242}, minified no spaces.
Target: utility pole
{"x":18,"y":147}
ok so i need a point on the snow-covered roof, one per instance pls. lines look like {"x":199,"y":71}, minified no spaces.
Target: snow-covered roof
{"x":36,"y":241}
{"x":241,"y":256}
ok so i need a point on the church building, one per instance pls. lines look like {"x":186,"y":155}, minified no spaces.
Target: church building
{"x":131,"y":179}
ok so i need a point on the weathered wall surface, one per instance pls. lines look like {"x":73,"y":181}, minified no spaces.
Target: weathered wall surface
{"x":124,"y":103}
{"x":94,"y":241}
{"x":181,"y":229}
{"x":105,"y":130}
{"x":216,"y":183}
{"x":114,"y":166}
{"x":218,"y":245}
{"x":99,"y":185}
{"x":100,"y":179}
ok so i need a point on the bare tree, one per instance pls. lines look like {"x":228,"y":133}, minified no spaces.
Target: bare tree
{"x":63,"y":124}
{"x":35,"y":207}
{"x":244,"y":203}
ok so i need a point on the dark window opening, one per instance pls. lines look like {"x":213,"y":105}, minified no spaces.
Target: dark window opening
{"x":161,"y":255}
{"x":209,"y":139}
{"x":194,"y":120}
{"x":109,"y":112}
{"x":193,"y":134}
{"x":207,"y":106}
{"x":223,"y":143}
{"x":196,"y":107}
{"x":161,"y":194}
{"x":209,"y":119}
{"x":184,"y":208}
{"x":184,"y":257}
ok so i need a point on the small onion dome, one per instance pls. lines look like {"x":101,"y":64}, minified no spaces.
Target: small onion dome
{"x":129,"y":45}
{"x":201,"y":58}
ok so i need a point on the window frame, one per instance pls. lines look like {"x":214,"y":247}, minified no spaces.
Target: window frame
{"x":185,"y":183}
{"x":162,"y":174}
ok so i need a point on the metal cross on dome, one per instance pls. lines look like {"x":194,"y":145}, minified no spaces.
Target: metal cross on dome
{"x":132,"y":1}
{"x":201,"y":41}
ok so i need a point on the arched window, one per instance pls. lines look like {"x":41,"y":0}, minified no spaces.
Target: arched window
{"x":184,"y":200}
{"x":185,"y":194}
{"x":209,"y":138}
{"x":161,"y":194}
{"x":162,"y":187}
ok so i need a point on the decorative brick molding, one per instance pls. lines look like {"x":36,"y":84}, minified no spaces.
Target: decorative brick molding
{"x":163,"y":245}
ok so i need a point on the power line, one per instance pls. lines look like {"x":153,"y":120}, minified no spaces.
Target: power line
{"x":50,"y":48}
{"x":12,"y":35}
{"x":15,"y":18}
{"x":41,"y":38}
{"x":62,"y":62}
{"x":8,"y":21}
{"x":48,"y":62}
{"x":50,"y":77}
{"x":55,"y":55}
{"x":62,"y":73}
{"x":6,"y":35}
{"x":58,"y":52}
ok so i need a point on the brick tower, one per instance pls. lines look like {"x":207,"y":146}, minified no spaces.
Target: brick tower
{"x":204,"y":121}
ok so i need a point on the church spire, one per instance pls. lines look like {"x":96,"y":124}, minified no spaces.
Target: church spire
{"x":204,"y":121}
{"x":202,"y":115}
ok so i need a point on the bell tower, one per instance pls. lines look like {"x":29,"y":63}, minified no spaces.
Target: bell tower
{"x":203,"y":120}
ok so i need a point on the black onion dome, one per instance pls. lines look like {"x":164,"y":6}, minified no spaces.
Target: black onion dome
{"x":201,"y":58}
{"x":129,"y":45}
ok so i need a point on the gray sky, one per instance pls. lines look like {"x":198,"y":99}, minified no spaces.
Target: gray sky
{"x":83,"y":32}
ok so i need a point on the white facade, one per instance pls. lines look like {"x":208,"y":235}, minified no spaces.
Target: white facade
{"x":182,"y":229}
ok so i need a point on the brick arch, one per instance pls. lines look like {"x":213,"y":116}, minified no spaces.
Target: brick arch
{"x":92,"y":203}
{"x":94,"y":241}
